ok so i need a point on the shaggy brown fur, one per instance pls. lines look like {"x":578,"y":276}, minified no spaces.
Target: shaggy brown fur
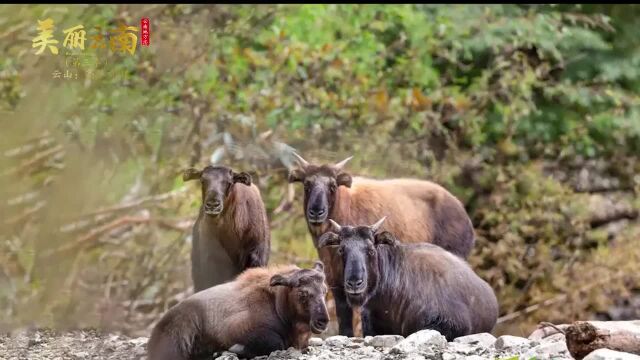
{"x":237,"y":237}
{"x":263,"y":310}
{"x":405,"y":288}
{"x":417,"y":211}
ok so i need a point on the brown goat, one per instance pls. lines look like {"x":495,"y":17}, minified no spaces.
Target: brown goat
{"x":231,"y":233}
{"x":418,"y":211}
{"x":263,"y":310}
{"x":406,"y":288}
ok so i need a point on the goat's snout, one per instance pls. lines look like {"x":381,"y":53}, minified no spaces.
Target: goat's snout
{"x":354,"y":285}
{"x":317,"y":215}
{"x":213,"y":206}
{"x":321,"y":321}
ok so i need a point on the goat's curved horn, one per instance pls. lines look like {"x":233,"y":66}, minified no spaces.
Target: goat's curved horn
{"x":335,"y":226}
{"x":377,"y":225}
{"x":341,"y":164}
{"x":304,"y":163}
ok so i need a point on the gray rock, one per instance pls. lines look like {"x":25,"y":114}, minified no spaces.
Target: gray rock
{"x":508,"y":342}
{"x":316,"y":341}
{"x":293,"y":353}
{"x":423,"y":340}
{"x":414,"y":357}
{"x":483,"y":339}
{"x":364,"y":352}
{"x":237,"y":349}
{"x":606,"y":354}
{"x":37,"y":339}
{"x":553,"y":338}
{"x":81,"y":355}
{"x":465,"y":348}
{"x":383,"y":341}
{"x":548,"y":350}
{"x":227,"y":356}
{"x":139,"y":346}
{"x":140,"y":341}
{"x":290,"y":353}
{"x":449,"y":356}
{"x":337,"y":340}
{"x":475,"y":357}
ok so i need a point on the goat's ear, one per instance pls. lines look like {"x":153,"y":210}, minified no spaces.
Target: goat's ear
{"x":296,"y":175}
{"x":281,"y":280}
{"x":385,"y":238}
{"x":328,"y":239}
{"x":242,"y":177}
{"x":191,"y":174}
{"x":318,"y":266}
{"x":344,"y":178}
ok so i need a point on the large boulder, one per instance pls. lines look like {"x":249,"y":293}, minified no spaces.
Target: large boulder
{"x":482,"y":339}
{"x":423,"y":340}
{"x":513,"y":343}
{"x":606,"y":354}
{"x":383,"y":341}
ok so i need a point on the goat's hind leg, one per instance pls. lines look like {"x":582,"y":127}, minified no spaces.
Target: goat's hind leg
{"x":452,"y":325}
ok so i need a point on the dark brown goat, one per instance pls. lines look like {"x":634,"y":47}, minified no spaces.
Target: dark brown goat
{"x":406,"y":288}
{"x":231,"y":233}
{"x":418,"y":211}
{"x":263,"y":310}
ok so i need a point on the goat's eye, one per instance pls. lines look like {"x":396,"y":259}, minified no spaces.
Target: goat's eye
{"x":303,"y":295}
{"x":340,"y":251}
{"x":372,"y":252}
{"x":332,"y":187}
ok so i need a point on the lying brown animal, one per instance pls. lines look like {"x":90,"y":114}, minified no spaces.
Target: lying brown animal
{"x":231,"y":233}
{"x":418,"y":211}
{"x":263,"y":310}
{"x":406,"y":288}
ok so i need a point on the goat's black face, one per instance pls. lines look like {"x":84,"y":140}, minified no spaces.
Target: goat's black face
{"x":319,"y":196}
{"x":355,"y":247}
{"x":321,"y":184}
{"x":360,"y":262}
{"x":217,"y":182}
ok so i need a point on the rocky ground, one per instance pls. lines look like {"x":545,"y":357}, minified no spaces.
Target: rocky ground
{"x":426,"y":344}
{"x":85,"y":344}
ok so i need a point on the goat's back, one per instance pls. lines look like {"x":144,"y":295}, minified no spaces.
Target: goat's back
{"x":449,"y":285}
{"x":417,"y":211}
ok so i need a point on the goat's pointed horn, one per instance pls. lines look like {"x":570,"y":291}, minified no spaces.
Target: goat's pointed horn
{"x":304,"y":163}
{"x":335,"y":226}
{"x":375,"y":227}
{"x":341,"y":164}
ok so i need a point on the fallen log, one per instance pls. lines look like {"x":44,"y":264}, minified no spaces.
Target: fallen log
{"x":618,"y":214}
{"x":583,"y":337}
{"x":546,"y":330}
